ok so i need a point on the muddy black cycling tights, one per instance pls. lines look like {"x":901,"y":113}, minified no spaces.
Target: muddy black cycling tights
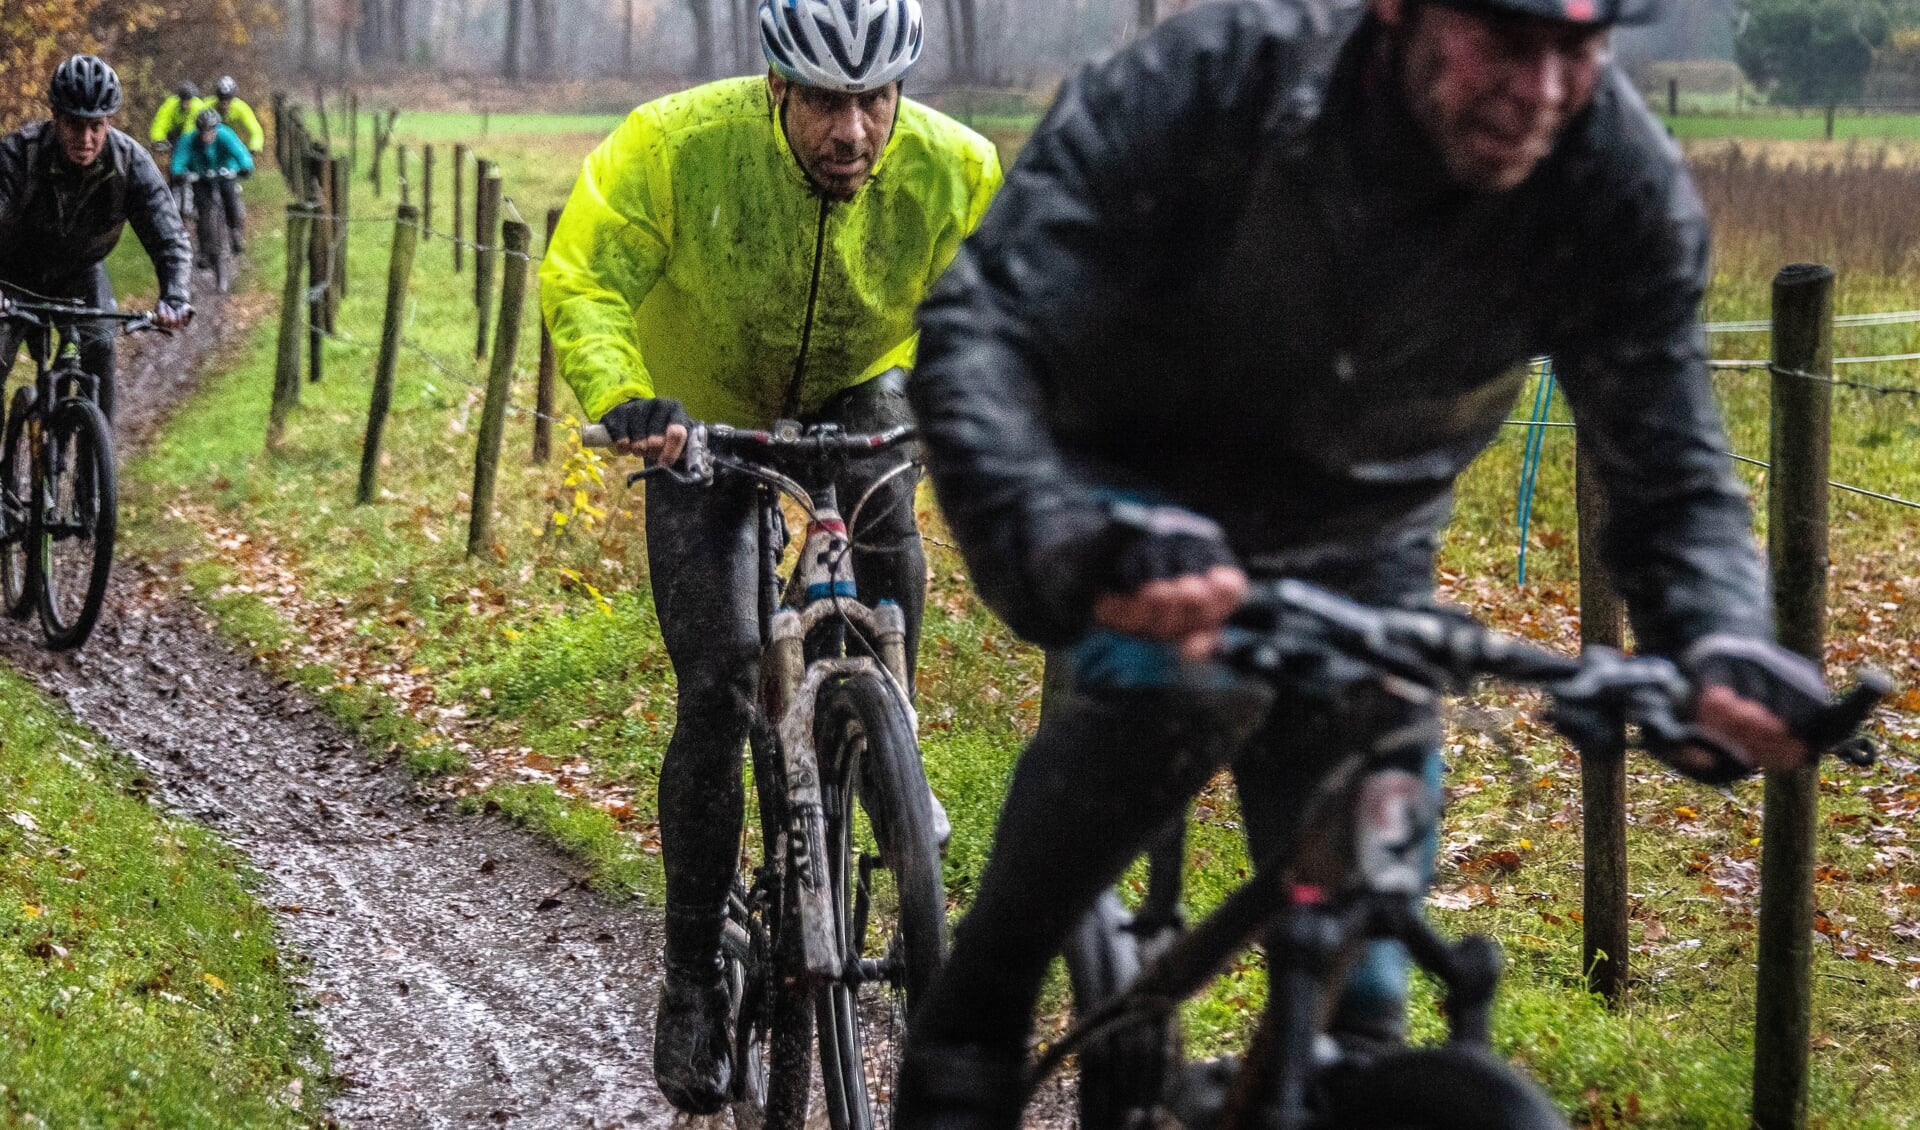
{"x":95,"y":339}
{"x":701,"y":546}
{"x":1109,"y":767}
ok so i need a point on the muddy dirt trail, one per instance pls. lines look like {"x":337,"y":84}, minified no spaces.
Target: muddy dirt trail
{"x":464,"y":976}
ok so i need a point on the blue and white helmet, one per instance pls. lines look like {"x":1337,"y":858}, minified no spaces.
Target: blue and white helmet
{"x":851,"y":46}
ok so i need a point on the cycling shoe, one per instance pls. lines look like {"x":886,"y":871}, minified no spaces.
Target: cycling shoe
{"x":692,"y":1051}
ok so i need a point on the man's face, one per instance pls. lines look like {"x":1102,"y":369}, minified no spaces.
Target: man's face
{"x":1492,"y":92}
{"x":837,"y":137}
{"x":81,"y":139}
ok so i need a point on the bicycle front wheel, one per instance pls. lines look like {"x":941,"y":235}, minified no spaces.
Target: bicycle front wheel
{"x":19,"y":541}
{"x":77,"y":502}
{"x":888,"y":895}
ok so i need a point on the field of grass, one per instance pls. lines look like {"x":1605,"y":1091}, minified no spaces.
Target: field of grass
{"x":533,"y":678}
{"x":1805,"y":125}
{"x":140,"y":984}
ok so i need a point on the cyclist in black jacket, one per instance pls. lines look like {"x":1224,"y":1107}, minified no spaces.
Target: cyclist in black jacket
{"x":68,"y":186}
{"x":1255,"y":293}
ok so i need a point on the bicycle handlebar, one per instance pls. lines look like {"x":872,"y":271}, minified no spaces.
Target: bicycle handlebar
{"x":1297,"y":630}
{"x":55,"y":313}
{"x":707,"y":443}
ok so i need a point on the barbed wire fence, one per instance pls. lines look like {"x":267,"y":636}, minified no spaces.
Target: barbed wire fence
{"x":319,"y":225}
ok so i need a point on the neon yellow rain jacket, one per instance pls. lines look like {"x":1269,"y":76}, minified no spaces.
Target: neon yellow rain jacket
{"x":244,"y":121}
{"x":694,"y":260}
{"x":175,"y":117}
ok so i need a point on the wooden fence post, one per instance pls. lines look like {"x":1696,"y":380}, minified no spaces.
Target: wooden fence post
{"x":459,"y":206}
{"x":400,"y":173}
{"x":319,"y":267}
{"x":1797,"y":551}
{"x":486,"y":253}
{"x":286,"y":369}
{"x":340,"y":228}
{"x":278,"y":108}
{"x":1673,"y":98}
{"x":517,"y":238}
{"x":406,"y":238}
{"x":353,"y":133}
{"x":320,"y":108}
{"x":1603,"y":773}
{"x":549,"y":367}
{"x":426,"y":191}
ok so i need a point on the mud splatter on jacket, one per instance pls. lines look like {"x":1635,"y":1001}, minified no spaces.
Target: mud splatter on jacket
{"x":1227,"y":272}
{"x":695,"y":261}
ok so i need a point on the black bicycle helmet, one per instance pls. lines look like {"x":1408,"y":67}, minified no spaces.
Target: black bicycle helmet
{"x":207,"y":119}
{"x":226,"y":87}
{"x":84,"y":87}
{"x":1599,"y":13}
{"x":186,"y":91}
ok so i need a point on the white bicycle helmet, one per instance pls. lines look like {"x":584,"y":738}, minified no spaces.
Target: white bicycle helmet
{"x":851,"y":46}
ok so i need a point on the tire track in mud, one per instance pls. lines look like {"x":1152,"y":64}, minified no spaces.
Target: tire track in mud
{"x":463,"y":974}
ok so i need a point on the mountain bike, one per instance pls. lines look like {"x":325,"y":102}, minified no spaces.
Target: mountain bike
{"x":59,"y":502}
{"x":842,"y":924}
{"x":210,"y":235}
{"x":1354,"y":874}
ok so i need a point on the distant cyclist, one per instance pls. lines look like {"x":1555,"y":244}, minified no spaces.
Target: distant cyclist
{"x":235,"y":112}
{"x":1259,"y":289}
{"x":210,"y":151}
{"x":68,"y":186}
{"x":743,"y":252}
{"x":175,"y":116}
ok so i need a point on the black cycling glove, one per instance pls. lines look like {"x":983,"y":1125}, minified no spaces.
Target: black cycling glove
{"x":643,"y":418}
{"x":1787,"y":684}
{"x":1157,"y":543}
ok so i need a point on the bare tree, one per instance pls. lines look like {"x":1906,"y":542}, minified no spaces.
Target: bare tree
{"x":398,"y":33}
{"x":510,"y":59}
{"x":702,"y":13}
{"x":1148,"y":16}
{"x":543,"y":38}
{"x":309,"y":37}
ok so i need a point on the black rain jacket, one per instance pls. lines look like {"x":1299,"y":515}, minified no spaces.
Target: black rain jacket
{"x":1228,"y":273}
{"x":58,"y":221}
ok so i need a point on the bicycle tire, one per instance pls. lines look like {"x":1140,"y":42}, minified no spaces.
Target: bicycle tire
{"x":76,"y":501}
{"x":211,"y":228}
{"x":1452,"y":1087}
{"x":1122,"y":1074}
{"x":773,"y":1029}
{"x":18,"y":542}
{"x":864,"y":731}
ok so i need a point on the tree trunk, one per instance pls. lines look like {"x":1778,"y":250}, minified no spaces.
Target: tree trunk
{"x":626,"y":42}
{"x":543,"y":38}
{"x":398,"y":33}
{"x":348,"y":22}
{"x":702,"y":13}
{"x":309,"y":37}
{"x":510,"y":60}
{"x":969,"y":35}
{"x":1148,"y":16}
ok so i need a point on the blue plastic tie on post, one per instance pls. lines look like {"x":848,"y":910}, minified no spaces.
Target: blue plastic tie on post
{"x":1530,"y":464}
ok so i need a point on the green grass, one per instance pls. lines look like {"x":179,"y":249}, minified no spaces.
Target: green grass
{"x":535,"y":674}
{"x":140,"y":984}
{"x":1807,"y":125}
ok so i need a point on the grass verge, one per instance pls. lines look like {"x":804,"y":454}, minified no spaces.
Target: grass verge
{"x":139,"y":980}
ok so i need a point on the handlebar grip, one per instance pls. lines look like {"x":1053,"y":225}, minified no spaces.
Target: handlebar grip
{"x":1835,"y":727}
{"x":595,"y":435}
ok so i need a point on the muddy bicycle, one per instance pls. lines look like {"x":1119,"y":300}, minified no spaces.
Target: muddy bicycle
{"x":59,"y":501}
{"x":841,"y":925}
{"x":1353,"y":875}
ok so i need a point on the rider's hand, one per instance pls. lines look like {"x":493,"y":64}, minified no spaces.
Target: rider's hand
{"x":1756,"y":698}
{"x":169,"y":316}
{"x":1174,"y":580}
{"x":655,"y":428}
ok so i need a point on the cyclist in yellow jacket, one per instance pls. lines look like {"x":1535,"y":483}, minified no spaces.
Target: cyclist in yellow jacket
{"x":743,"y":252}
{"x":238,"y":116}
{"x":175,"y":115}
